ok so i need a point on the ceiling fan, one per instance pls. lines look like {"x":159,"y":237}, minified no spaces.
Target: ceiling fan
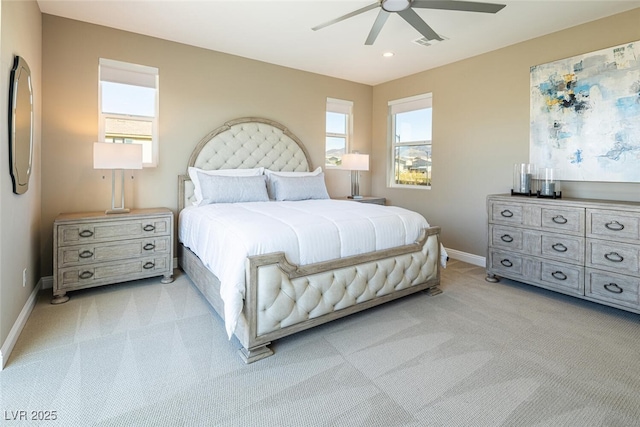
{"x":404,"y":8}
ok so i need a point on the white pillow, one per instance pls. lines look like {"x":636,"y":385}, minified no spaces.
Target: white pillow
{"x":299,"y":187}
{"x":232,"y":189}
{"x":269,"y":173}
{"x":193,"y":174}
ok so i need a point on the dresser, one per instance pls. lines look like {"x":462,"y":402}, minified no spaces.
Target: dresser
{"x":95,"y":249}
{"x":586,"y":248}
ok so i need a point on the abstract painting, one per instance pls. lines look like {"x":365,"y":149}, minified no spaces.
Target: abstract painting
{"x":585,"y":115}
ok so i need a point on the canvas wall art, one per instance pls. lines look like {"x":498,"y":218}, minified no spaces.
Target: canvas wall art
{"x":585,"y":115}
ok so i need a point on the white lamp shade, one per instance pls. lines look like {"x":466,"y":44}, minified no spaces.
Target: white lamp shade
{"x":355,"y":162}
{"x":107,"y":155}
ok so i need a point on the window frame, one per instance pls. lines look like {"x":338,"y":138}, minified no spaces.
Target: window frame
{"x":412,"y":103}
{"x":339,"y":106}
{"x":110,"y":70}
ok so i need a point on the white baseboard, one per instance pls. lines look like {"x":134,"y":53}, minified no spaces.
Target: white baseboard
{"x":14,"y":333}
{"x":478,"y":260}
{"x":47,"y":282}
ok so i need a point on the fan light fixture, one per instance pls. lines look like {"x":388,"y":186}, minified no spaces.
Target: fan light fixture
{"x":395,"y":5}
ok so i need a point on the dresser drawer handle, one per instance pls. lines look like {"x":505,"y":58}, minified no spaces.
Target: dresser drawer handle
{"x":613,"y":288}
{"x":86,"y":254}
{"x":506,"y":263}
{"x":149,"y":246}
{"x":149,"y":227}
{"x":614,"y":257}
{"x":506,"y":238}
{"x":614,"y":226}
{"x":559,"y":247}
{"x":506,"y":213}
{"x":559,"y":219}
{"x":85,"y":233}
{"x":148,"y":265}
{"x":559,"y":275}
{"x":85,"y":275}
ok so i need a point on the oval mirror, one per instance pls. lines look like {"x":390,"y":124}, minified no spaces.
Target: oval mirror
{"x":20,"y":125}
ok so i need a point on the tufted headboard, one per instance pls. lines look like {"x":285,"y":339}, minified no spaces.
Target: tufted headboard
{"x":245,"y":143}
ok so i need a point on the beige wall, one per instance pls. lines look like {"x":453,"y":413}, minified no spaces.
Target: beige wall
{"x":199,"y":90}
{"x":481,"y":128}
{"x":20,"y":34}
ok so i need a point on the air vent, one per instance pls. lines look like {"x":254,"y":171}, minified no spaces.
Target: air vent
{"x":423,"y":41}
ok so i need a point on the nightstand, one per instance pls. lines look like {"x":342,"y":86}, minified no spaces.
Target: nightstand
{"x":366,"y":199}
{"x":95,"y":249}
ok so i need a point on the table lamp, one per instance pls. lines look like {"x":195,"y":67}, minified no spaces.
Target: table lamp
{"x":355,"y":162}
{"x":117,"y":156}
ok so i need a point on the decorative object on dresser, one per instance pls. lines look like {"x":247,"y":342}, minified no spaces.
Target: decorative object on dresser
{"x":355,"y":162}
{"x":547,"y":185}
{"x":524,"y":175}
{"x":96,"y":249}
{"x":117,"y":156}
{"x":365,"y":199}
{"x":586,"y":248}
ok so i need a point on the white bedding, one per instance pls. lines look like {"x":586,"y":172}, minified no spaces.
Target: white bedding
{"x":310,"y":231}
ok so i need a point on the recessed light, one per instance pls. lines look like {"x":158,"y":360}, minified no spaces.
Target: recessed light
{"x":388,"y":54}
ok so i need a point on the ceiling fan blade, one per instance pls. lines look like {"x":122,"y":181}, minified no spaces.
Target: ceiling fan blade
{"x":377,"y":26}
{"x":467,"y":6}
{"x":347,"y":16}
{"x":416,"y":22}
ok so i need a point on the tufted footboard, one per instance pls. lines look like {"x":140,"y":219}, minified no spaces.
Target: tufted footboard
{"x":283,"y":299}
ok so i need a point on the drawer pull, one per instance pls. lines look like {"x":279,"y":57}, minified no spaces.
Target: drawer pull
{"x":86,"y":254}
{"x":148,"y":265}
{"x":506,"y":263}
{"x":559,"y":247}
{"x":559,"y":275}
{"x":506,"y":213}
{"x":614,"y":226}
{"x":149,"y":227}
{"x":614,"y":257}
{"x":506,"y":238}
{"x":149,"y":246}
{"x":559,"y":219}
{"x":613,"y":288}
{"x":85,"y":233}
{"x":85,"y":274}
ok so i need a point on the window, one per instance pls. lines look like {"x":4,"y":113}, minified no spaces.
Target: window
{"x":410,"y":142}
{"x":128,"y":106}
{"x":338,"y":128}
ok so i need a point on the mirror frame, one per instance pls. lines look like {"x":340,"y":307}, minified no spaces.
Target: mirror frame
{"x":18,"y":132}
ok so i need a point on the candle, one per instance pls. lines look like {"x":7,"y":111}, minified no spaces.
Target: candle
{"x":548,"y":188}
{"x":525,"y":183}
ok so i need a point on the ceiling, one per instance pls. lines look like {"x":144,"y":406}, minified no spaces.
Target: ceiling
{"x":279,"y":32}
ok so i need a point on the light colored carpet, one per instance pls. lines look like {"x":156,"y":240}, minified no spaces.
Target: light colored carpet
{"x":480,"y":354}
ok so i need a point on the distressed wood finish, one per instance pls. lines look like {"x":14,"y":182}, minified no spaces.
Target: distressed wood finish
{"x":586,"y":248}
{"x":95,"y":249}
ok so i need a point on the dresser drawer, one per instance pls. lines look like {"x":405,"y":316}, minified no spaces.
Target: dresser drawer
{"x":566,"y":220}
{"x":614,"y":288}
{"x":603,"y":224}
{"x":510,"y":213}
{"x":111,"y":251}
{"x":104,"y":231}
{"x":86,"y":276}
{"x":564,"y":277}
{"x":612,"y":256}
{"x":563,"y":247}
{"x":506,"y":237}
{"x":516,"y":266}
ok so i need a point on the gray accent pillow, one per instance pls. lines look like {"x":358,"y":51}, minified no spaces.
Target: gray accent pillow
{"x":299,"y":187}
{"x":232,"y":189}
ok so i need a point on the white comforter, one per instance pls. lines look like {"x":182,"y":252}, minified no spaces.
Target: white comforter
{"x":310,"y":231}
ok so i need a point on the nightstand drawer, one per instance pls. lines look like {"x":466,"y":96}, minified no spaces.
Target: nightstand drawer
{"x":90,"y":275}
{"x":80,"y":233}
{"x":99,"y":252}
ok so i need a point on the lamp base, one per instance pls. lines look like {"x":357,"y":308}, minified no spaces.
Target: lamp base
{"x":117,"y":211}
{"x":355,"y":197}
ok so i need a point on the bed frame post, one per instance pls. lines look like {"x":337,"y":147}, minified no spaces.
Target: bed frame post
{"x":255,"y":353}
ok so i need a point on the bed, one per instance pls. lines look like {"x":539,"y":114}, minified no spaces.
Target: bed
{"x":275,"y":296}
